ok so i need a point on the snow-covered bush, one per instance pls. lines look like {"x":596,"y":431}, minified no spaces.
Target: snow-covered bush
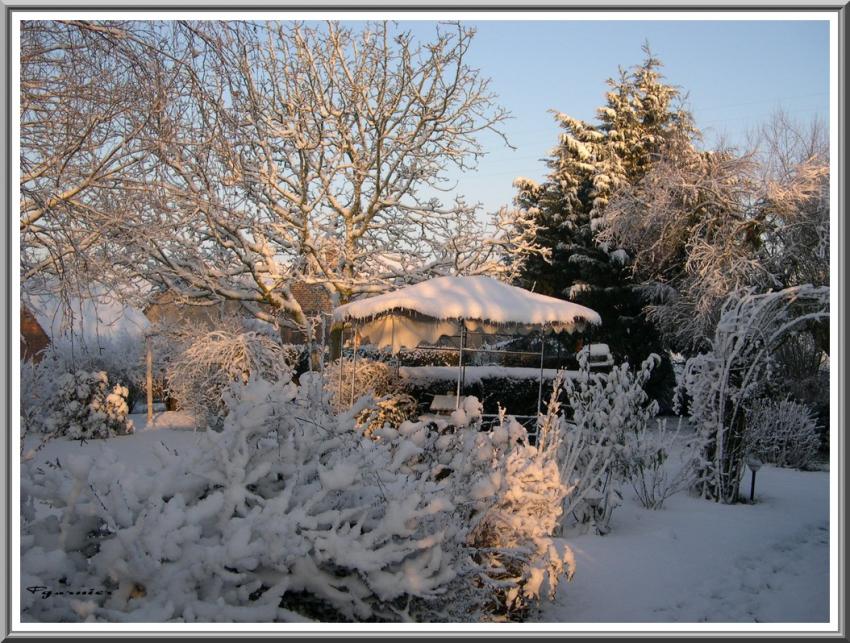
{"x":348,"y":380}
{"x":606,"y":411}
{"x":207,"y":362}
{"x":390,"y":410}
{"x":290,"y":512}
{"x":515,"y":541}
{"x":660,"y":462}
{"x":120,"y":356}
{"x":428,"y":357}
{"x":725,"y":382}
{"x":784,"y":433}
{"x":84,"y":407}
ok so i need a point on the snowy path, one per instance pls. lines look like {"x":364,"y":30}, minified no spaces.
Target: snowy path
{"x":696,"y":561}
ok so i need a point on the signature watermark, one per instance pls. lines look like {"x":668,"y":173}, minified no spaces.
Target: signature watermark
{"x":45,"y":592}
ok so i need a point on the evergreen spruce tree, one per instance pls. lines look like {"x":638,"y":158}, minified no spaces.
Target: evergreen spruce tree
{"x":641,"y":116}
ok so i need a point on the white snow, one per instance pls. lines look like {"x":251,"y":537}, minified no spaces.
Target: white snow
{"x":90,"y":320}
{"x":693,"y":561}
{"x":620,"y":256}
{"x":172,"y":428}
{"x":598,"y":350}
{"x":475,"y":374}
{"x":473,"y":298}
{"x":698,"y":561}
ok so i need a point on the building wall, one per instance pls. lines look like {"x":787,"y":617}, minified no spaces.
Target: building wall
{"x":33,"y":338}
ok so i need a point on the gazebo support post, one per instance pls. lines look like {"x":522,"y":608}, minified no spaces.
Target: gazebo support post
{"x":540,"y":383}
{"x":393,"y":350}
{"x":353,"y":363}
{"x":460,"y":362}
{"x":341,"y":343}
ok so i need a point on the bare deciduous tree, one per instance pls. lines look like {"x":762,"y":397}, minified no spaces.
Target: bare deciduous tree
{"x":316,"y":153}
{"x":83,"y":106}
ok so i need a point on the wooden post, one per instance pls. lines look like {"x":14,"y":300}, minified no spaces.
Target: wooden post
{"x":149,"y":376}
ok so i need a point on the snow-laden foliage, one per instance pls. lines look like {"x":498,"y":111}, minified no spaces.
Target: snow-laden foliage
{"x":290,"y":512}
{"x":83,"y":406}
{"x":659,"y":461}
{"x":120,"y":356}
{"x":512,"y":495}
{"x":522,"y":563}
{"x":701,"y":224}
{"x":725,"y":382}
{"x":591,"y":162}
{"x":207,"y":362}
{"x":348,"y":380}
{"x":783,"y":432}
{"x":609,"y":416}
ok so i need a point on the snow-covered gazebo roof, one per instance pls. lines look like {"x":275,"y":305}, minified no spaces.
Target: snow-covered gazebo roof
{"x":431,"y":309}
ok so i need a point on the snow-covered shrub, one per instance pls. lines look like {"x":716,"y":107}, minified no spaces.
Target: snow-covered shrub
{"x":120,"y":356}
{"x":428,"y":357}
{"x":725,"y":382}
{"x":519,"y":394}
{"x":783,"y":432}
{"x":207,"y":362}
{"x":522,"y":560}
{"x":660,"y":462}
{"x":348,"y":380}
{"x":585,"y":463}
{"x":291,"y":512}
{"x":510,"y":494}
{"x":36,"y":384}
{"x":605,"y":409}
{"x":390,"y":410}
{"x":84,"y":407}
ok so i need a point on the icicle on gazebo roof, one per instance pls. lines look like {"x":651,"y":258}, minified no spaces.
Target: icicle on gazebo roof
{"x":428,"y":310}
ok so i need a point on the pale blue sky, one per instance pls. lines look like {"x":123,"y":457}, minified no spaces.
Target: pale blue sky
{"x":735,"y":73}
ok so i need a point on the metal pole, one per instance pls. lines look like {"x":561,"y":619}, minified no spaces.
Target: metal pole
{"x":354,"y":366}
{"x":341,"y":345}
{"x":459,"y":364}
{"x":395,"y":355}
{"x":540,"y":384}
{"x":463,"y":366}
{"x":149,"y":376}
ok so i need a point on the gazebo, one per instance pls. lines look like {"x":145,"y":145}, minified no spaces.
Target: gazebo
{"x":463,"y":308}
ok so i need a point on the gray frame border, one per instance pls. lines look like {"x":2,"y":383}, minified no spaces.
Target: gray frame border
{"x":10,"y":6}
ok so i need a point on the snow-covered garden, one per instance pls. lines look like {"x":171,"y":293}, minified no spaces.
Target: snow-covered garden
{"x":288,"y":505}
{"x":267,"y":376}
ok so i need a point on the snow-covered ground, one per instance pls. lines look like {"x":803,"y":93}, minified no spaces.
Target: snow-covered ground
{"x":692,"y":561}
{"x":696,"y":561}
{"x":175,"y":429}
